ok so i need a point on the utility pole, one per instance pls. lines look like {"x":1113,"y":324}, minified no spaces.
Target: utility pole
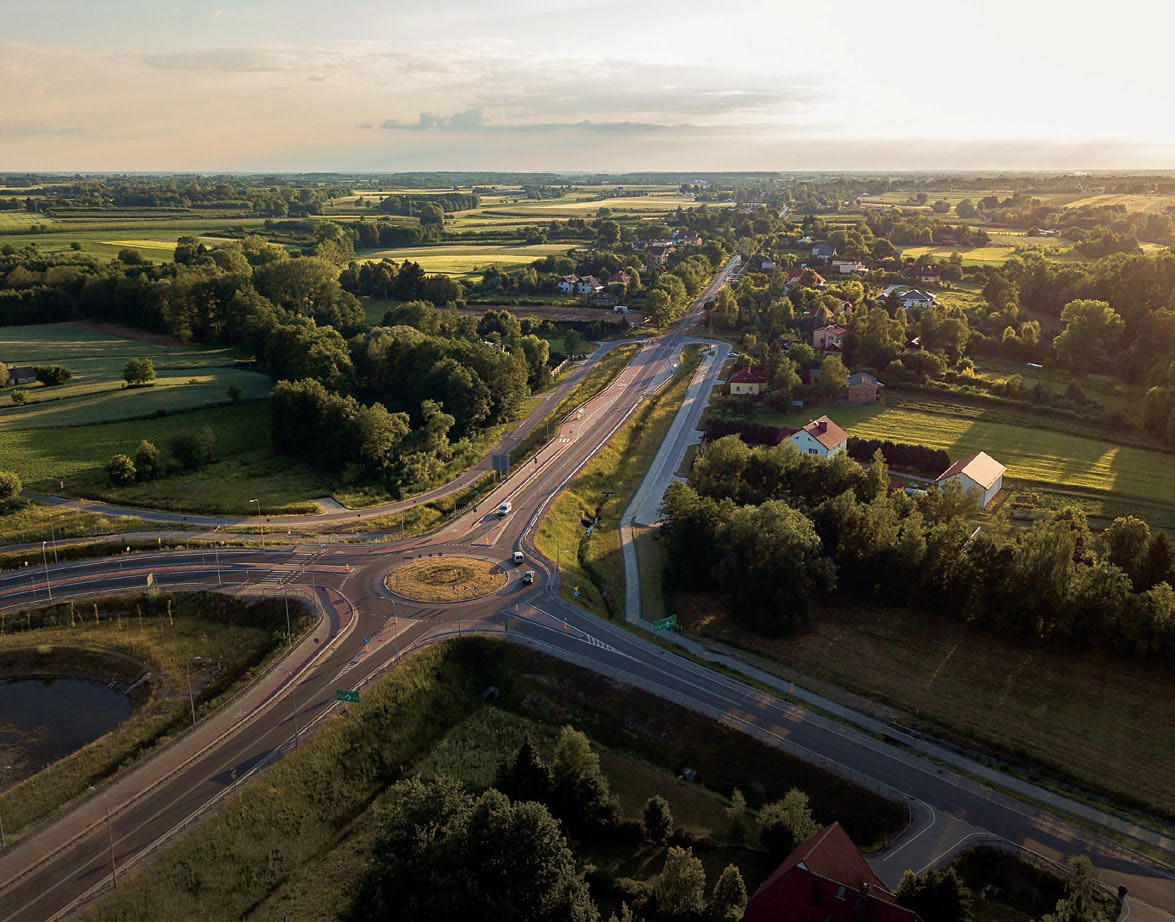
{"x":259,"y":521}
{"x":45,"y":561}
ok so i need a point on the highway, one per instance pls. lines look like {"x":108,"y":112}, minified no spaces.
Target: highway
{"x":364,"y":630}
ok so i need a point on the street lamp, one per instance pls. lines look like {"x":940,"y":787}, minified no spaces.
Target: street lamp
{"x":45,"y":561}
{"x":289,"y":633}
{"x":294,"y":698}
{"x":191,"y":698}
{"x":3,"y":841}
{"x":216,"y":551}
{"x":109,"y":833}
{"x":261,"y":523}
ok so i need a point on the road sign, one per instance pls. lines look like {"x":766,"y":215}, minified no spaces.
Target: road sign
{"x":500,"y":463}
{"x":347,"y":694}
{"x":662,"y":624}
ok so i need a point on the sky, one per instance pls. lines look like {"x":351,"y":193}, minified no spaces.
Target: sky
{"x":573,"y":85}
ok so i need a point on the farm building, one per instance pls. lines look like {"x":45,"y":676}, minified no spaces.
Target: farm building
{"x":864,"y":388}
{"x":825,"y":879}
{"x":21,"y":374}
{"x":981,"y":474}
{"x":747,"y":382}
{"x":821,"y":437}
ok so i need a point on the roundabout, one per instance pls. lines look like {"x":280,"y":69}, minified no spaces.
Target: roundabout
{"x":446,"y":579}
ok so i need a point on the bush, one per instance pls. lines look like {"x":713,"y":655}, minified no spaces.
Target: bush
{"x":192,"y":450}
{"x":20,"y":396}
{"x":139,"y":372}
{"x":146,"y":461}
{"x":50,"y":375}
{"x":10,"y":485}
{"x":120,"y":471}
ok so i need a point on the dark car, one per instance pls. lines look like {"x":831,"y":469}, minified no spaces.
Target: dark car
{"x":528,"y":576}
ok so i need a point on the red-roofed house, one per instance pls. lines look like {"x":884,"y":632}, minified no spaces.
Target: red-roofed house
{"x":620,"y":277}
{"x":746,"y":382}
{"x":825,"y":879}
{"x":981,"y":474}
{"x":821,"y":437}
{"x":831,"y":335}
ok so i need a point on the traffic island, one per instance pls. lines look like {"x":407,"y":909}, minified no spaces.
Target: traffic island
{"x":446,"y":579}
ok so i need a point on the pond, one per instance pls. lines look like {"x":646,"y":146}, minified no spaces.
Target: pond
{"x":43,"y":720}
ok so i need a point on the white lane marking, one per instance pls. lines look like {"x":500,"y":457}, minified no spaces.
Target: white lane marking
{"x":933,"y":818}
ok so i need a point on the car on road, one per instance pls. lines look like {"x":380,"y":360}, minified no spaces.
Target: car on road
{"x":505,"y":508}
{"x":518,"y":556}
{"x":528,"y":577}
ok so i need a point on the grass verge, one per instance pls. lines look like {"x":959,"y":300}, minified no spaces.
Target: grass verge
{"x":602,"y":490}
{"x":126,"y":637}
{"x":24,"y":522}
{"x":446,"y":579}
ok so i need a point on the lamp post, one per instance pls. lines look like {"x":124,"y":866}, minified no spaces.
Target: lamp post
{"x":53,"y":533}
{"x":216,"y":551}
{"x":289,"y":633}
{"x":3,"y":841}
{"x":191,"y":697}
{"x":45,"y":561}
{"x":294,"y":699}
{"x":259,"y":521}
{"x":109,"y":833}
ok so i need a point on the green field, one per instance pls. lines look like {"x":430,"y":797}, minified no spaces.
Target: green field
{"x":972,"y":256}
{"x":153,"y":238}
{"x":467,"y":261}
{"x":1032,"y":455}
{"x":187,"y":377}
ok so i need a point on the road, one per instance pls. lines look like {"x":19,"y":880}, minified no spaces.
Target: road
{"x":364,"y":630}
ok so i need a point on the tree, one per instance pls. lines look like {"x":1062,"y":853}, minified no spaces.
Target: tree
{"x":936,"y":895}
{"x":1078,"y":904}
{"x":1127,"y":545}
{"x":681,"y":887}
{"x":234,"y":393}
{"x":608,"y":234}
{"x":10,"y":485}
{"x":192,"y":450}
{"x":658,"y":820}
{"x":442,"y":290}
{"x":581,"y":794}
{"x":3,"y":374}
{"x":1092,"y":328}
{"x":20,"y":396}
{"x":120,"y":471}
{"x":139,"y":372}
{"x":49,"y":375}
{"x":786,"y":823}
{"x":730,"y":896}
{"x":526,"y":776}
{"x":737,"y":819}
{"x":146,"y":461}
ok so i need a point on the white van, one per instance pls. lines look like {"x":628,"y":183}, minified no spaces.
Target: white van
{"x":505,"y":508}
{"x":518,"y":556}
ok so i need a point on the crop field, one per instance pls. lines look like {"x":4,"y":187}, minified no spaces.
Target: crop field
{"x":153,"y":238}
{"x":570,"y":207}
{"x":187,"y":377}
{"x":1151,"y":204}
{"x":972,"y":256}
{"x":1032,"y":455}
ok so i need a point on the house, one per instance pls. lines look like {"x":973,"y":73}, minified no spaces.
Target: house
{"x":848,"y":266}
{"x":21,"y":374}
{"x":825,"y":879}
{"x":927,"y":275}
{"x":864,"y":388}
{"x":746,"y":382}
{"x":588,"y":285}
{"x":689,"y":238}
{"x":766,"y":265}
{"x":810,"y":376}
{"x":823,"y":251}
{"x":916,"y":297}
{"x":658,"y":252}
{"x":567,"y":283}
{"x":980,"y":474}
{"x":821,"y":437}
{"x":914,"y":345}
{"x":793,"y":278}
{"x":829,"y":336}
{"x":620,"y":277}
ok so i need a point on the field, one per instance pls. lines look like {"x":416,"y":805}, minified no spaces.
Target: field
{"x":468,"y":261}
{"x":1033,"y":455}
{"x":1151,"y":204}
{"x":187,"y":377}
{"x":152,"y":237}
{"x":972,"y":256}
{"x":1110,"y":724}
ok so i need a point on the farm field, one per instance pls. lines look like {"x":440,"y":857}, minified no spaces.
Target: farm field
{"x":466,"y":261}
{"x":187,"y":376}
{"x":1151,"y":204}
{"x":153,"y":238}
{"x":1109,"y":722}
{"x":972,"y":256}
{"x":579,"y":206}
{"x":1033,"y":456}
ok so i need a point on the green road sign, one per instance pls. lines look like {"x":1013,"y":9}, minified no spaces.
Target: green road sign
{"x":662,"y":623}
{"x":347,"y":694}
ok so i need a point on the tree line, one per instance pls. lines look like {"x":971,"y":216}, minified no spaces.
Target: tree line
{"x":773,"y":529}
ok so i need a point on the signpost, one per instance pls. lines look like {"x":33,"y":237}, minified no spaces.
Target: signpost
{"x":662,"y":624}
{"x":351,"y":696}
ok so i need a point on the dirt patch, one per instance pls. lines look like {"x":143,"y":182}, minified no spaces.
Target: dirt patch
{"x":142,"y":336}
{"x":446,"y":579}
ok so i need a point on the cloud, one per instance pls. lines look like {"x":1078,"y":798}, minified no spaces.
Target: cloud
{"x":475,"y":120}
{"x":232,"y":60}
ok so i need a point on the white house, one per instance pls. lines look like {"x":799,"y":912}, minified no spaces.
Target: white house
{"x":566,"y":284}
{"x":916,"y":297}
{"x":831,"y":336}
{"x":848,"y":266}
{"x":981,"y":474}
{"x":821,"y":437}
{"x":588,"y":285}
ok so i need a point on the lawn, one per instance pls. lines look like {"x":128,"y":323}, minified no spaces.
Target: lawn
{"x":1108,"y":722}
{"x":1033,"y":455}
{"x":187,"y":377}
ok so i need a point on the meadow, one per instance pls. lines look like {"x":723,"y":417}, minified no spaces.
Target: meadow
{"x":187,"y":377}
{"x":1109,"y":724}
{"x":153,"y":237}
{"x":1032,"y":454}
{"x":468,"y":261}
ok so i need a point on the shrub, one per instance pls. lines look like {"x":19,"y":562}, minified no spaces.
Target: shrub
{"x":10,"y":485}
{"x":50,"y":375}
{"x":146,"y":461}
{"x":192,"y":450}
{"x":120,"y":471}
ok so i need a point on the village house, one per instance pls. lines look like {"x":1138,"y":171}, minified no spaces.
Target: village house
{"x":821,"y":437}
{"x":689,"y":238}
{"x":980,"y":474}
{"x":825,"y":879}
{"x":829,"y":338}
{"x":21,"y":374}
{"x":823,"y":251}
{"x":927,"y":275}
{"x":588,"y":285}
{"x":848,"y":266}
{"x":864,"y":388}
{"x":916,"y":297}
{"x":746,"y":382}
{"x":793,"y":278}
{"x":619,"y":277}
{"x":567,"y":283}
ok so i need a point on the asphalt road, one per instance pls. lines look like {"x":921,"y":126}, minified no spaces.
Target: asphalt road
{"x":365,"y":630}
